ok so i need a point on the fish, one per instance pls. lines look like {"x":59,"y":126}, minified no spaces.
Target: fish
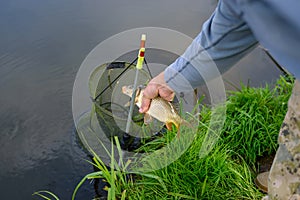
{"x":160,"y":109}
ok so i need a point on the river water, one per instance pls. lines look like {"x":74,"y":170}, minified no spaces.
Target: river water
{"x":42,"y":45}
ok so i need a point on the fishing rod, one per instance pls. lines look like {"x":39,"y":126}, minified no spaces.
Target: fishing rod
{"x":276,"y":63}
{"x":139,"y":66}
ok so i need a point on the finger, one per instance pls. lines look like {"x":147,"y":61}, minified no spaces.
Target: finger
{"x":151,"y":91}
{"x":145,"y":105}
{"x":167,"y":94}
{"x":169,"y":97}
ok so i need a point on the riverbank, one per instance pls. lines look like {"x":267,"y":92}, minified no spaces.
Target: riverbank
{"x":247,"y":143}
{"x":253,"y":119}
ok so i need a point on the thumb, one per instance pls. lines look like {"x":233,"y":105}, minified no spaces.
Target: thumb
{"x":145,"y":105}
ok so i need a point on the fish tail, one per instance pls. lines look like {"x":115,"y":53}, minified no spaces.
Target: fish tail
{"x":177,"y":125}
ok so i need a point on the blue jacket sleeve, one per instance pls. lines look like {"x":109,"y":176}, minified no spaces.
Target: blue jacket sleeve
{"x":225,"y":38}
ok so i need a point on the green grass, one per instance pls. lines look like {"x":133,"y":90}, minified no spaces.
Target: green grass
{"x":114,"y":174}
{"x":46,"y":195}
{"x":253,"y":119}
{"x":216,"y":176}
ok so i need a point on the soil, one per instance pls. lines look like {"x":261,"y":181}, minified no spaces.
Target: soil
{"x":264,"y":163}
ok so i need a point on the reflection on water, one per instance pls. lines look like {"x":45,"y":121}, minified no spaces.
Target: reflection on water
{"x":42,"y":44}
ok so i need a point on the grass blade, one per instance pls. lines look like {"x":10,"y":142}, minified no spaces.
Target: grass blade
{"x":39,"y":193}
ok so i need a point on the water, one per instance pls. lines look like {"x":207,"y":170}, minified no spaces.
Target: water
{"x":42,"y":44}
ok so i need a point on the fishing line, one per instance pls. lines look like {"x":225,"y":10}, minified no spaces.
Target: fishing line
{"x":276,"y":63}
{"x":148,"y":68}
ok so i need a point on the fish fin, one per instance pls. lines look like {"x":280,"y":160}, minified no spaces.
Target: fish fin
{"x":176,"y":106}
{"x":169,"y":125}
{"x":147,"y":119}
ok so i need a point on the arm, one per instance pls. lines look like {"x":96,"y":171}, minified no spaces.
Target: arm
{"x":225,"y":38}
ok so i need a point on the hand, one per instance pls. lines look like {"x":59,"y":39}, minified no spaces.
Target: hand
{"x":156,"y":87}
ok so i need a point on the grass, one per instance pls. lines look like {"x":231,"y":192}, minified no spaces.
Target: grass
{"x":46,"y":195}
{"x":216,"y":176}
{"x":114,"y":174}
{"x":253,"y":119}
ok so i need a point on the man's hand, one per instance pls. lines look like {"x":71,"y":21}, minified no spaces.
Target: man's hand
{"x":156,"y":87}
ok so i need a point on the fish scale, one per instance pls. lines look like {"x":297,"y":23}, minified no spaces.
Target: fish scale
{"x":163,"y":110}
